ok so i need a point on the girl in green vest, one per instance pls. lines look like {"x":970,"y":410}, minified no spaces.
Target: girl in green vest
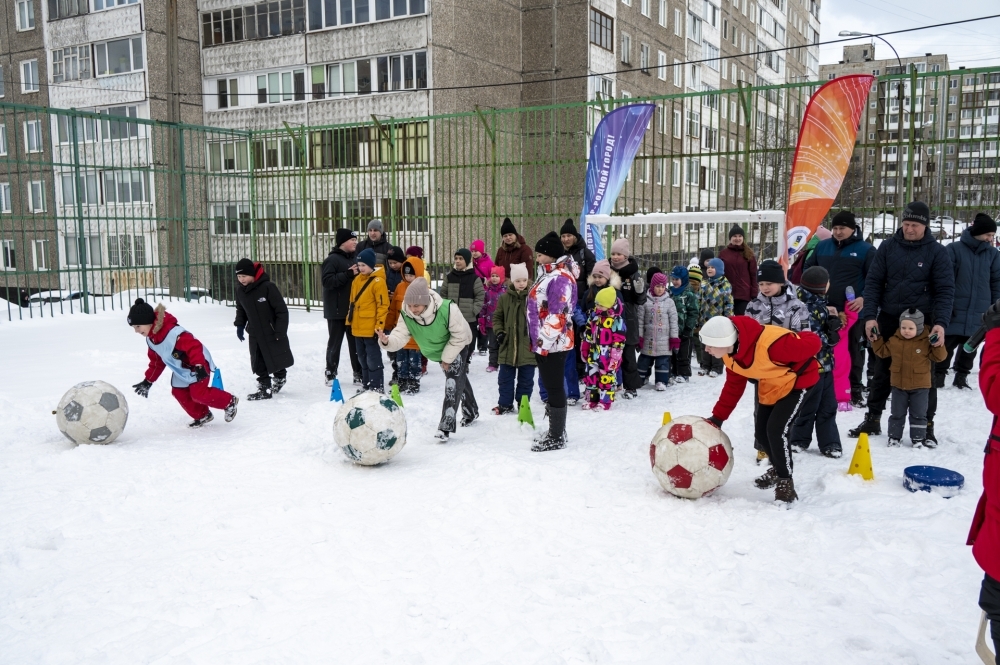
{"x":442,"y":333}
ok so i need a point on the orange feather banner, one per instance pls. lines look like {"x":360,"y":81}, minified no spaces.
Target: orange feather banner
{"x":823,"y":153}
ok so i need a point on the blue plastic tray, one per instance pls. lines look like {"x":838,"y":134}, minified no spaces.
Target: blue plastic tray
{"x":935,"y":479}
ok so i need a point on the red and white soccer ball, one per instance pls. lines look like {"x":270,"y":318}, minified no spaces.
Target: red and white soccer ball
{"x":690,"y":457}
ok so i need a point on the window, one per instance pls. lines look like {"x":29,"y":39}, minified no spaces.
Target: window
{"x":33,"y":136}
{"x":694,"y":28}
{"x":952,"y":100}
{"x":694,"y":77}
{"x":278,"y":87}
{"x":3,"y":140}
{"x":123,"y":128}
{"x":711,"y":14}
{"x":693,"y":124}
{"x":263,"y":21}
{"x":229,"y":93}
{"x":1,"y":82}
{"x":644,"y":7}
{"x":29,"y":76}
{"x":9,"y":262}
{"x":644,"y":58}
{"x":40,"y":254}
{"x":675,"y":173}
{"x":126,"y":251}
{"x":4,"y":197}
{"x":231,"y":218}
{"x":25,"y":10}
{"x":70,"y":64}
{"x":88,"y":188}
{"x":711,"y":53}
{"x":606,"y":87}
{"x":119,"y":56}
{"x":111,"y":4}
{"x":284,"y":218}
{"x":677,"y":22}
{"x":126,"y":186}
{"x":231,"y":156}
{"x":691,"y":175}
{"x":36,"y":196}
{"x":661,"y":65}
{"x":90,"y":248}
{"x":602,"y":30}
{"x":678,"y":124}
{"x":678,"y":73}
{"x":662,"y":15}
{"x":626,"y":48}
{"x":66,"y":8}
{"x":642,"y":169}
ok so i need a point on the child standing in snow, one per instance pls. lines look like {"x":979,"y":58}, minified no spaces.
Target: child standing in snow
{"x":912,"y":355}
{"x":599,"y":278}
{"x":695,"y":278}
{"x":688,"y":315}
{"x":408,"y":358}
{"x":494,"y":290}
{"x":483,"y":265}
{"x":510,"y":327}
{"x":659,"y":335}
{"x":602,"y":347}
{"x":366,"y":315}
{"x":716,"y":300}
{"x":776,"y":304}
{"x":170,"y":346}
{"x":262,"y":313}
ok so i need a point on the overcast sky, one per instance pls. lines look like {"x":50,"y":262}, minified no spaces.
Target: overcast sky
{"x":970,"y":45}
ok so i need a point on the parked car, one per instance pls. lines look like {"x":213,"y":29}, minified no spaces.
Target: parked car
{"x":54,"y":296}
{"x":197,"y":292}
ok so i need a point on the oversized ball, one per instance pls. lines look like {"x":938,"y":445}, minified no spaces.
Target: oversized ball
{"x":370,"y":428}
{"x":92,"y":412}
{"x":690,"y":457}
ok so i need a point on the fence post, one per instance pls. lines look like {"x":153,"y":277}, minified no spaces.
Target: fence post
{"x":742,"y":87}
{"x":912,"y":142}
{"x":491,"y":133}
{"x":182,"y":174}
{"x":300,"y":145}
{"x":81,"y":240}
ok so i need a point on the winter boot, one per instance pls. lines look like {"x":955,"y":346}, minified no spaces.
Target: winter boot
{"x":832,"y":453}
{"x":939,"y":380}
{"x":961,"y":381}
{"x":893,"y":443}
{"x":231,"y":409}
{"x":413,"y":387}
{"x":629,"y":394}
{"x":441,"y":436}
{"x":279,"y":383}
{"x":768,"y":480}
{"x":858,"y":399}
{"x":263,"y":392}
{"x":502,"y":410}
{"x":468,"y":418}
{"x":930,"y":441}
{"x":871,"y":426}
{"x":556,"y":438}
{"x":207,"y":418}
{"x":784,"y":490}
{"x":660,"y":386}
{"x":359,"y":378}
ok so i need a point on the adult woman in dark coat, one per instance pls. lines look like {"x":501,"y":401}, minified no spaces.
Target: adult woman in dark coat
{"x":741,"y":269}
{"x":262,"y":313}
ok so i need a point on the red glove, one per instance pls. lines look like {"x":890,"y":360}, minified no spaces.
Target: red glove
{"x":675,"y":343}
{"x":641,"y":344}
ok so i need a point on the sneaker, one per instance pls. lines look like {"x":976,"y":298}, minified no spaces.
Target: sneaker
{"x":844,"y":407}
{"x":712,"y":374}
{"x":961,"y":382}
{"x":893,"y":443}
{"x":262,"y":393}
{"x":492,"y":368}
{"x":358,"y":379}
{"x":231,"y":409}
{"x":629,"y":394}
{"x":441,"y":436}
{"x":550,"y":443}
{"x":784,"y":491}
{"x":832,"y":453}
{"x":207,"y":418}
{"x":277,"y":384}
{"x":761,"y":456}
{"x":502,"y":410}
{"x":660,"y":386}
{"x":768,"y":480}
{"x":871,"y":426}
{"x":683,"y":379}
{"x":468,"y":419}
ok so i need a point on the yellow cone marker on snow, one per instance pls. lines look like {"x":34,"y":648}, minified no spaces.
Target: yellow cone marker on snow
{"x":666,"y":418}
{"x":861,"y":462}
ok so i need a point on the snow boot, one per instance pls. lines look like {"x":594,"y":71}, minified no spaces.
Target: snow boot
{"x":207,"y":418}
{"x":556,"y":437}
{"x":871,"y":426}
{"x":502,"y":410}
{"x":918,"y":443}
{"x":263,"y":392}
{"x":893,"y":443}
{"x":279,"y":383}
{"x":939,"y":380}
{"x":231,"y":409}
{"x":413,"y":387}
{"x":359,"y":379}
{"x":468,"y":418}
{"x":441,"y":436}
{"x":768,"y":480}
{"x":930,"y":441}
{"x":784,"y":490}
{"x":712,"y":374}
{"x":629,"y":394}
{"x":858,"y":399}
{"x":961,"y":381}
{"x":660,"y":386}
{"x":832,"y":453}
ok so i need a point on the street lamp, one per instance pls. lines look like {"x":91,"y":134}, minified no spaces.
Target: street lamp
{"x":852,"y":33}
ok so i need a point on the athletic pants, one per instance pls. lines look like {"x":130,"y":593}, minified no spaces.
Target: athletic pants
{"x":772,"y":428}
{"x":196,"y":398}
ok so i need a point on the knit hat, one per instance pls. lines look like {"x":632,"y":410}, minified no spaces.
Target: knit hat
{"x":568,"y":227}
{"x":519,"y":271}
{"x":465,"y":254}
{"x":602,"y":269}
{"x":606,"y":297}
{"x":417,"y":293}
{"x":409,"y":268}
{"x":375,"y":225}
{"x":823,"y":233}
{"x":650,"y":271}
{"x":718,"y":331}
{"x":621,"y":246}
{"x":983,"y":223}
{"x":498,"y":270}
{"x":245,"y":267}
{"x":815,"y":279}
{"x":705,"y":255}
{"x":679,"y":272}
{"x":507,"y":227}
{"x":737,"y":230}
{"x":367,"y":256}
{"x":343,"y":235}
{"x":414,"y":250}
{"x":914,"y":315}
{"x":550,"y":245}
{"x":770,"y":271}
{"x":917,"y":211}
{"x":395,"y":254}
{"x":844,"y":218}
{"x":478,"y":246}
{"x":720,"y":267}
{"x":695,"y":274}
{"x":658,"y":279}
{"x":141,"y":313}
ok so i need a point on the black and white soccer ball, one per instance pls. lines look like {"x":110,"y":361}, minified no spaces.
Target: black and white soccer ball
{"x":370,"y":428}
{"x":92,"y":412}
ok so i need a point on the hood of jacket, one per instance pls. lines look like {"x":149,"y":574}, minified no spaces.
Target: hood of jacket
{"x":163,"y":322}
{"x":749,"y":332}
{"x":977,"y":246}
{"x":417,"y":263}
{"x":615,"y":282}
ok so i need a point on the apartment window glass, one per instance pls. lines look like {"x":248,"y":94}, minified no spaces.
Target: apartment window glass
{"x":121,"y":125}
{"x":88,"y":189}
{"x":25,"y":10}
{"x":661,"y":65}
{"x":5,"y":200}
{"x":626,"y":48}
{"x":111,"y":4}
{"x":36,"y":196}
{"x":229,"y":93}
{"x":601,"y":30}
{"x":678,"y":21}
{"x":9,"y":262}
{"x":644,"y":57}
{"x":119,"y":56}
{"x":71,"y":64}
{"x":90,"y":247}
{"x":29,"y":76}
{"x":276,"y":87}
{"x":1,"y":82}
{"x":675,"y":173}
{"x":693,"y":28}
{"x":3,"y":140}
{"x":40,"y":254}
{"x":33,"y":135}
{"x":678,"y":123}
{"x":678,"y":69}
{"x":66,"y":8}
{"x":662,"y":15}
{"x":644,"y":7}
{"x":126,"y":186}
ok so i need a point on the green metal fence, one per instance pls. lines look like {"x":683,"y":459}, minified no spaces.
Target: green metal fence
{"x":97,"y":208}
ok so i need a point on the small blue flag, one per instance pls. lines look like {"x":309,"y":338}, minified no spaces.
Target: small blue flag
{"x":335,"y":394}
{"x":217,"y":379}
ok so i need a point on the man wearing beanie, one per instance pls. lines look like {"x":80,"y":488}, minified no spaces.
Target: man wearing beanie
{"x":366,"y":315}
{"x":633,"y":295}
{"x":847,"y":258}
{"x":576,"y":248}
{"x":443,"y":335}
{"x":911,"y":270}
{"x":977,"y":286}
{"x":339,"y":270}
{"x":377,"y":241}
{"x":513,"y":249}
{"x":262,"y":313}
{"x":741,"y":269}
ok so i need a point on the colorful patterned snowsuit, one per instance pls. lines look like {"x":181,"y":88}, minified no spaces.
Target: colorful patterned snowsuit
{"x":601,"y":350}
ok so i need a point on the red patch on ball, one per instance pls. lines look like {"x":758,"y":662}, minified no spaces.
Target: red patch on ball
{"x":680,"y":477}
{"x":718,"y":458}
{"x":680,"y":433}
{"x":652,"y":454}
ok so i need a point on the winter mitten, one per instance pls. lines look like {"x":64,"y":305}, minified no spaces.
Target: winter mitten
{"x":832,"y":324}
{"x":501,"y":336}
{"x":615,"y":360}
{"x":578,"y":317}
{"x":142,"y":388}
{"x":716,"y":422}
{"x":675,"y":343}
{"x":200,"y":373}
{"x":239,"y":332}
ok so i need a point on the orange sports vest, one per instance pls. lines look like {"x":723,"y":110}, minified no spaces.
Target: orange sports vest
{"x":773,"y":381}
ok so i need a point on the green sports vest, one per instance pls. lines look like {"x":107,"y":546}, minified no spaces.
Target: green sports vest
{"x":432,"y":338}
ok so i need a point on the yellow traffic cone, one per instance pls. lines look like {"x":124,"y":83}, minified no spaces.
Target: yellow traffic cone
{"x":861,"y":462}
{"x":666,"y":418}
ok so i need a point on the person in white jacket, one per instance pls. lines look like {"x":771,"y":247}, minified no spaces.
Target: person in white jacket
{"x":659,"y":336}
{"x":442,"y":333}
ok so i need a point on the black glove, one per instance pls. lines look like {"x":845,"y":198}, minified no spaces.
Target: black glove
{"x":200,"y":372}
{"x":991,"y":317}
{"x":832,"y":324}
{"x":239,"y":332}
{"x":715,"y":422}
{"x":501,"y":336}
{"x":142,"y":388}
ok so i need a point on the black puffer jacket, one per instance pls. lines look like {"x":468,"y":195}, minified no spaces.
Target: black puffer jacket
{"x":977,"y":282}
{"x":381,"y":247}
{"x":909,"y":274}
{"x":633,"y":294}
{"x":584,"y":258}
{"x":848,"y":263}
{"x":262,"y":310}
{"x":337,"y":278}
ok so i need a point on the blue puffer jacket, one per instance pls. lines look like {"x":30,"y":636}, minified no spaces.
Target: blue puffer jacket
{"x":977,"y":282}
{"x":847,"y":262}
{"x":909,"y":274}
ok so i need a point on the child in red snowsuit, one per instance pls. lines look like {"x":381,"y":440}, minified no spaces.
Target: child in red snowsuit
{"x":170,"y":346}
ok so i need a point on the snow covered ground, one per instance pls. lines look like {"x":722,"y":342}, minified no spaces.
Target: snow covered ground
{"x":257,"y":542}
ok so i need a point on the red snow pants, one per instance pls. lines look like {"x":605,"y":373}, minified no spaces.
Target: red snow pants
{"x":196,"y":398}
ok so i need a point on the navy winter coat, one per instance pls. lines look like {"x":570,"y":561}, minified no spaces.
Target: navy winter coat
{"x":847,"y":262}
{"x":977,"y":282}
{"x":909,"y":274}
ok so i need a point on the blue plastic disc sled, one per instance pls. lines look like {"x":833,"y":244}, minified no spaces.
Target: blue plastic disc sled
{"x":945,"y":482}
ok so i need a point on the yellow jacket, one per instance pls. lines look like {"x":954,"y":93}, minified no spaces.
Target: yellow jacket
{"x":367,"y":312}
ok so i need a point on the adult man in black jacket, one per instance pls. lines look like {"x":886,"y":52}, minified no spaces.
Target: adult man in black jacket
{"x":338,"y":272}
{"x":262,"y":313}
{"x":377,"y":241}
{"x":911,"y":270}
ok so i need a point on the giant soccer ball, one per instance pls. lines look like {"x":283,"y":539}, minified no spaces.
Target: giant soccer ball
{"x":92,"y":412}
{"x":690,"y":457}
{"x":370,"y":428}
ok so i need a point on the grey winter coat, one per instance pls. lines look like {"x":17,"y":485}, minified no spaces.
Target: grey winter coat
{"x":658,"y":325}
{"x":784,"y":310}
{"x":977,"y":282}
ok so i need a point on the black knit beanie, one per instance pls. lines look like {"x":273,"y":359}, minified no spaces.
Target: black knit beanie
{"x":550,"y":245}
{"x":844,"y":218}
{"x":245,"y":267}
{"x":343,"y":235}
{"x":737,"y":230}
{"x":141,"y":313}
{"x":507,"y":227}
{"x":983,"y":223}
{"x":568,"y":228}
{"x":465,"y":254}
{"x":770,"y":271}
{"x":815,"y":279}
{"x":395,"y":254}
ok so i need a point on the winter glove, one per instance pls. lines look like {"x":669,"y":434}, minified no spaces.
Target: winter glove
{"x":501,"y":336}
{"x":991,"y":317}
{"x":578,"y":317}
{"x":142,"y":388}
{"x":832,"y":324}
{"x":715,"y":422}
{"x":616,"y":360}
{"x":200,"y":373}
{"x":675,"y":343}
{"x":239,"y":332}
